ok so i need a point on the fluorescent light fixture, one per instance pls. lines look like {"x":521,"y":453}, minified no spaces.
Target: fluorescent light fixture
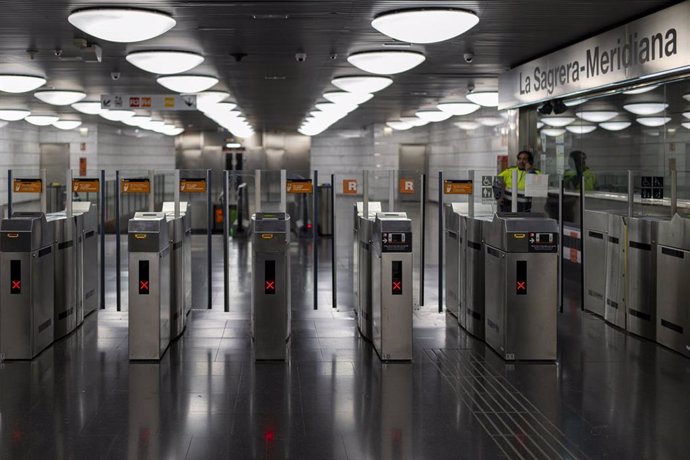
{"x":653,"y":122}
{"x":399,"y":125}
{"x":433,"y":115}
{"x":458,"y":108}
{"x":165,"y":62}
{"x":414,"y":121}
{"x":88,"y":107}
{"x":581,"y":129}
{"x":645,"y":108}
{"x":429,"y":25}
{"x":344,"y":97}
{"x":686,"y":125}
{"x":615,"y":125}
{"x":386,"y":62}
{"x":557,"y":122}
{"x":187,"y":83}
{"x":467,"y":125}
{"x":13,"y":114}
{"x":574,"y":102}
{"x":596,"y":116}
{"x":60,"y":97}
{"x":643,"y":89}
{"x":362,"y":84}
{"x":42,"y":120}
{"x":117,"y":114}
{"x":233,"y":145}
{"x":121,"y":25}
{"x":553,"y":132}
{"x":490,"y":121}
{"x":67,"y":124}
{"x":484,"y":98}
{"x":11,"y":83}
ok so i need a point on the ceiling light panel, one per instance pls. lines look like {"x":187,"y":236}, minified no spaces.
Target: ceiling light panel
{"x":458,"y":108}
{"x":344,"y":97}
{"x":187,"y":83}
{"x":88,"y":107}
{"x":42,"y":120}
{"x":596,"y":116}
{"x":644,"y":89}
{"x":646,"y":108}
{"x":557,"y":122}
{"x":13,"y":114}
{"x":60,"y":97}
{"x":581,"y":129}
{"x":490,"y":121}
{"x":16,"y":84}
{"x":653,"y":122}
{"x":67,"y":124}
{"x":165,"y":62}
{"x":121,"y":25}
{"x":386,"y":62}
{"x":433,"y":115}
{"x":467,"y":125}
{"x":399,"y":125}
{"x":117,"y":114}
{"x":431,"y":25}
{"x":615,"y":125}
{"x":362,"y":84}
{"x":484,"y":98}
{"x":553,"y":132}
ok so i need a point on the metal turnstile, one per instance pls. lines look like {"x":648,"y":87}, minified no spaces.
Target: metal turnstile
{"x":271,"y":285}
{"x":26,"y":268}
{"x":473,"y":313}
{"x":521,"y":297}
{"x":89,"y":255}
{"x":358,"y":208}
{"x":615,"y":308}
{"x":178,"y":314}
{"x":149,"y":286}
{"x":391,"y":281}
{"x":454,"y":244}
{"x":185,"y":213}
{"x":673,"y":288}
{"x":595,"y":235}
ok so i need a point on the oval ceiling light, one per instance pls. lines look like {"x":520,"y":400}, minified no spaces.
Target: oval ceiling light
{"x":121,"y":25}
{"x":490,"y":121}
{"x":67,"y":124}
{"x":187,"y":83}
{"x":553,"y":132}
{"x":13,"y":114}
{"x":430,"y":25}
{"x":386,"y":62}
{"x":173,"y":131}
{"x":164,"y":62}
{"x":686,"y":125}
{"x":645,"y":108}
{"x":643,"y":89}
{"x":137,"y":120}
{"x":467,"y":125}
{"x":399,"y":125}
{"x":686,"y":114}
{"x":344,"y":97}
{"x":205,"y":100}
{"x":615,"y":125}
{"x":581,"y":129}
{"x":16,"y":84}
{"x":484,"y":98}
{"x":414,"y":121}
{"x":337,"y":108}
{"x":574,"y":102}
{"x":596,"y":116}
{"x":117,"y":114}
{"x":60,"y":97}
{"x":653,"y":122}
{"x":433,"y":115}
{"x":458,"y":108}
{"x":362,"y":84}
{"x":557,"y":122}
{"x":88,"y":107}
{"x":42,"y":120}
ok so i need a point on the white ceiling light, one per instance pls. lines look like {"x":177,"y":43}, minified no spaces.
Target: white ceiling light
{"x":641,"y":90}
{"x":574,"y":102}
{"x":187,"y":83}
{"x":553,"y":132}
{"x":615,"y":125}
{"x":484,"y":98}
{"x":42,"y":120}
{"x":130,"y":121}
{"x":220,"y":107}
{"x":433,"y":115}
{"x":414,"y":121}
{"x":153,"y":124}
{"x":557,"y":122}
{"x":596,"y":116}
{"x":399,"y":125}
{"x":3,"y":123}
{"x":173,"y":131}
{"x":165,"y":62}
{"x":387,"y":62}
{"x":490,"y":121}
{"x":13,"y":114}
{"x":362,"y":84}
{"x":20,"y":83}
{"x":540,"y":125}
{"x":338,"y":108}
{"x":121,"y":25}
{"x":60,"y":97}
{"x":205,"y":100}
{"x":458,"y":108}
{"x":344,"y":97}
{"x":581,"y":129}
{"x":686,"y":125}
{"x":653,"y":122}
{"x":117,"y":114}
{"x":645,"y":108}
{"x":88,"y":107}
{"x":686,"y":114}
{"x":67,"y":124}
{"x":431,"y":25}
{"x":467,"y":125}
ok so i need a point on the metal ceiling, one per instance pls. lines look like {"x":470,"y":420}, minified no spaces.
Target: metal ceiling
{"x":270,"y":86}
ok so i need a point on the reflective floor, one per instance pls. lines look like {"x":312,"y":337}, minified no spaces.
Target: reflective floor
{"x":611,"y":395}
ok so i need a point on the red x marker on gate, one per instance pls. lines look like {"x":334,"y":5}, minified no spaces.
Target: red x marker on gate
{"x":397,"y":286}
{"x":16,"y":284}
{"x":270,"y":285}
{"x":521,"y":286}
{"x":143,"y":285}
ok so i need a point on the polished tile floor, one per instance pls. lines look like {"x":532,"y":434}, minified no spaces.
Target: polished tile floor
{"x":610,"y":395}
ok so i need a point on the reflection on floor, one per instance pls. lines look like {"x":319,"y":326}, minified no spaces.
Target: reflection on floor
{"x":610,"y":396}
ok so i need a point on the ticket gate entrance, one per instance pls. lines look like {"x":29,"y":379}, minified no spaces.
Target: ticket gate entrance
{"x":358,"y":208}
{"x":615,"y":307}
{"x":521,"y":265}
{"x":594,"y":239}
{"x":89,"y":255}
{"x":271,"y":285}
{"x":391,"y":281}
{"x":455,"y":261}
{"x":474,"y":311}
{"x":26,"y":303}
{"x":185,"y":212}
{"x":149,"y":286}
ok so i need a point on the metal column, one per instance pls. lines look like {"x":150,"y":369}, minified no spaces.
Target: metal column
{"x":118,"y":268}
{"x":315,"y":238}
{"x":226,"y":225}
{"x":209,"y":243}
{"x":440,"y":241}
{"x":101,"y":207}
{"x":334,"y":276}
{"x":422,"y":243}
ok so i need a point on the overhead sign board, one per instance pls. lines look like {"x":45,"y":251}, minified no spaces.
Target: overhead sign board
{"x":148,"y":101}
{"x":654,"y":45}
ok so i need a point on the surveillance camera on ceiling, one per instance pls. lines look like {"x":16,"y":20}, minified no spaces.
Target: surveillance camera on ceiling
{"x":300,"y":57}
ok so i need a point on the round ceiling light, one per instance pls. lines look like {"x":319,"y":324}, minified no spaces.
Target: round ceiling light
{"x":399,"y":125}
{"x":117,"y":114}
{"x":153,"y":124}
{"x":414,"y":121}
{"x":173,"y":130}
{"x":645,"y":108}
{"x":490,"y":121}
{"x":362,"y":84}
{"x":431,"y":25}
{"x":596,"y":116}
{"x":574,"y":102}
{"x":484,"y":98}
{"x":615,"y":125}
{"x":553,"y":132}
{"x":88,"y":107}
{"x":20,"y":83}
{"x":644,"y":89}
{"x":13,"y":114}
{"x":187,"y":83}
{"x":344,"y":97}
{"x":686,"y":125}
{"x":121,"y":25}
{"x":137,"y":120}
{"x":467,"y":125}
{"x":337,"y":108}
{"x":653,"y":122}
{"x":557,"y":122}
{"x":60,"y":97}
{"x":433,"y":115}
{"x":42,"y":120}
{"x":458,"y":108}
{"x":581,"y":129}
{"x":67,"y":124}
{"x":165,"y":62}
{"x":386,"y":62}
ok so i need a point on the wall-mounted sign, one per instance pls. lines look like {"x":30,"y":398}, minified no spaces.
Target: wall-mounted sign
{"x":488,"y":190}
{"x":86,"y":185}
{"x":137,"y":185}
{"x":652,"y":187}
{"x":299,"y":186}
{"x":27,"y":186}
{"x":656,"y":44}
{"x":82,"y":166}
{"x":193,"y":185}
{"x":457,"y":187}
{"x":350,"y":186}
{"x":406,"y":186}
{"x":148,"y":101}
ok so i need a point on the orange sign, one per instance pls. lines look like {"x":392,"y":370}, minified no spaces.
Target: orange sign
{"x":299,"y":186}
{"x":86,"y":185}
{"x":406,"y":186}
{"x":193,"y":185}
{"x":27,"y":186}
{"x":135,"y":186}
{"x":350,"y":186}
{"x":82,"y":165}
{"x":457,"y":187}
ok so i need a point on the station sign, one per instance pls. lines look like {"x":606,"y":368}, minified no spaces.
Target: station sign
{"x":193,"y":185}
{"x":406,"y":186}
{"x":457,"y":187}
{"x":148,"y":101}
{"x":299,"y":186}
{"x":137,"y":185}
{"x":350,"y":186}
{"x":86,"y":185}
{"x":27,"y":186}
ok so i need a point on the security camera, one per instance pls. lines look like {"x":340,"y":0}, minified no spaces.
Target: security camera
{"x":300,"y":57}
{"x":333,"y":56}
{"x":115,"y":75}
{"x":468,"y":57}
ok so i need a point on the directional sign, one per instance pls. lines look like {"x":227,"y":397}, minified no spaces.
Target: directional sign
{"x":406,"y":186}
{"x":27,"y":186}
{"x":350,"y":186}
{"x":457,"y":187}
{"x":193,"y":185}
{"x":299,"y":186}
{"x":86,"y":185}
{"x":148,"y":101}
{"x":135,"y":186}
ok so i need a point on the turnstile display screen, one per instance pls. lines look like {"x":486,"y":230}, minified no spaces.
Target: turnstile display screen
{"x":15,"y":277}
{"x":144,"y":277}
{"x":397,"y":277}
{"x":270,"y":277}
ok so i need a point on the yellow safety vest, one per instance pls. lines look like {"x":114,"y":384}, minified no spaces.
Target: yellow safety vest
{"x":507,"y":176}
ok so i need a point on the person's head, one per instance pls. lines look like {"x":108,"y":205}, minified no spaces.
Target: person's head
{"x":525,"y":159}
{"x":579,"y":158}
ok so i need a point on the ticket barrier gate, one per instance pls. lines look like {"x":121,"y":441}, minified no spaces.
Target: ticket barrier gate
{"x":185,"y":212}
{"x":26,"y":303}
{"x":595,"y":235}
{"x":363,"y":278}
{"x":89,"y":255}
{"x":271,"y":285}
{"x":455,"y":261}
{"x":178,"y":271}
{"x":673,"y":288}
{"x":149,"y":286}
{"x":391,"y":281}
{"x":521,"y":265}
{"x":358,"y":208}
{"x":615,"y":306}
{"x":473,"y":314}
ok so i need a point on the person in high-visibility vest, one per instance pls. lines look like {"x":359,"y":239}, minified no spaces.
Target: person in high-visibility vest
{"x":573,"y":177}
{"x":525,"y":166}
